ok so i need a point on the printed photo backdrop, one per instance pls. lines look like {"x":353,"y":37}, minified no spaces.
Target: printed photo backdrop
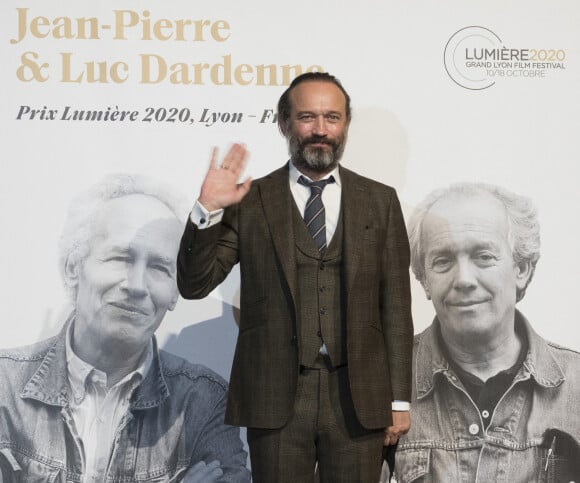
{"x":441,"y":92}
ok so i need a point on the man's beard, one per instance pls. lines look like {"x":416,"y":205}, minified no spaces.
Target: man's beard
{"x":319,"y":160}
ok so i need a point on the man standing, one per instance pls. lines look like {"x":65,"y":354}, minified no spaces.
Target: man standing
{"x":492,"y":400}
{"x":321,"y":372}
{"x":99,"y":402}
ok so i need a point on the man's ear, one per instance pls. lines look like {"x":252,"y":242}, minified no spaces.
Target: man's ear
{"x":427,"y":289}
{"x":284,"y":126}
{"x":174,"y":298}
{"x":523,"y":274}
{"x":72,"y":268}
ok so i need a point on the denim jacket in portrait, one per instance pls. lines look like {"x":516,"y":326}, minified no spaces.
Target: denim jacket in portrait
{"x":533,"y":433}
{"x":175,"y":420}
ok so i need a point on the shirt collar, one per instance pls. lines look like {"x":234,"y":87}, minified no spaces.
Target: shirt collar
{"x":295,"y":174}
{"x":50,"y":382}
{"x":538,"y":363}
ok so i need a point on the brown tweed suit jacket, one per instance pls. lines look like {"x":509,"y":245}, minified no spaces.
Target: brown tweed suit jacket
{"x":258,"y":233}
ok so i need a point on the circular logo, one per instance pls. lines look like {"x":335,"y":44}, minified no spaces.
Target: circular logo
{"x":464,"y":56}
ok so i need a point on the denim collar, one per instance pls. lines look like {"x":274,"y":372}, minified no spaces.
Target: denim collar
{"x":539,"y":363}
{"x":49,"y":384}
{"x":79,"y":370}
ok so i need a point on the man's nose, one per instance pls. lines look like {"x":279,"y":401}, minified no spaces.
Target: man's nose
{"x":465,"y":275}
{"x":320,"y":127}
{"x":135,"y":282}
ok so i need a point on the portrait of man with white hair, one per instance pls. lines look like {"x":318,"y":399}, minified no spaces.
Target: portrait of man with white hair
{"x":492,"y":400}
{"x":99,"y":401}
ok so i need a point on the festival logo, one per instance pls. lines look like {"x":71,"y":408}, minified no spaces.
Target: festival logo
{"x":476,"y":58}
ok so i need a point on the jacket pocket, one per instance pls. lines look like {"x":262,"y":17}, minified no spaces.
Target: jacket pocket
{"x":10,"y":470}
{"x":162,"y":476}
{"x":412,"y":465}
{"x":19,"y":468}
{"x":560,"y":457}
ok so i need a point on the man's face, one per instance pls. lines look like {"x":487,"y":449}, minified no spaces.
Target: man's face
{"x":318,"y":126}
{"x":470,"y":273}
{"x":127,"y":282}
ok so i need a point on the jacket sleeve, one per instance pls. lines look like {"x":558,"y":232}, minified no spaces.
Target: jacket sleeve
{"x":206,"y":256}
{"x":395,"y":302}
{"x":216,"y":443}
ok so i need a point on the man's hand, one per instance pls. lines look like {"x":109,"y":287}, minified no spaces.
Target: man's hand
{"x":401,"y":425}
{"x":220,"y":187}
{"x":203,"y":473}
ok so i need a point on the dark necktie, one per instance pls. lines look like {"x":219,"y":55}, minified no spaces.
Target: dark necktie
{"x":314,"y":216}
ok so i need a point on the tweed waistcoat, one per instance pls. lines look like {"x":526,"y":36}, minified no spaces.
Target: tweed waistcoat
{"x":320,"y":295}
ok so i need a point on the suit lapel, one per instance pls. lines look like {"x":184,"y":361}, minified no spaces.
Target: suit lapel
{"x":355,"y":206}
{"x":277,"y":204}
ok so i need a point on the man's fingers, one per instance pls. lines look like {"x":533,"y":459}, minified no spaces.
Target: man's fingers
{"x":235,"y":159}
{"x":393,"y":433}
{"x":390,"y":439}
{"x":213,"y":159}
{"x":220,"y":187}
{"x":245,"y":186}
{"x":397,"y":430}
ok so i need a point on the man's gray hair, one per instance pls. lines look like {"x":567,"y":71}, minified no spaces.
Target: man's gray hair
{"x":76,"y":233}
{"x":523,"y":226}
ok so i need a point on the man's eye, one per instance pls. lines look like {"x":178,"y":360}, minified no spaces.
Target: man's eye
{"x":485,"y":258}
{"x":440,"y":264}
{"x":162,"y":269}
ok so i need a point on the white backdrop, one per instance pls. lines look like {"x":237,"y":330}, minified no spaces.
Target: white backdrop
{"x":414,"y":127}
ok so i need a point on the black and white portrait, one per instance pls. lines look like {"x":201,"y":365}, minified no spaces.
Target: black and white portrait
{"x":100,"y":401}
{"x":492,"y":400}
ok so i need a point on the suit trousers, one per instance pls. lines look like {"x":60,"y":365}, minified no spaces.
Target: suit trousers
{"x":323,"y":440}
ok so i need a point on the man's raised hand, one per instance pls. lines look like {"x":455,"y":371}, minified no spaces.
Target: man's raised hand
{"x":221,"y":187}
